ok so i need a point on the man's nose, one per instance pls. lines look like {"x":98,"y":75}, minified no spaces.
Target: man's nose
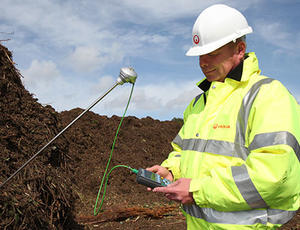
{"x":203,"y":61}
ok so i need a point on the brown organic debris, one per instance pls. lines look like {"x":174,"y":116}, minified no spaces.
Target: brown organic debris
{"x":122,"y":213}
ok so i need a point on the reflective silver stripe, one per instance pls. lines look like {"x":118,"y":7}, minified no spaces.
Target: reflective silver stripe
{"x":240,"y":174}
{"x":243,"y":115}
{"x":277,"y":216}
{"x":248,"y":217}
{"x":246,"y":187}
{"x":231,"y":149}
{"x":276,"y":138}
{"x":214,"y":146}
{"x":178,"y":141}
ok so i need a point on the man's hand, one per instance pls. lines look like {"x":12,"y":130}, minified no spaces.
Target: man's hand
{"x":178,"y":191}
{"x":162,"y":171}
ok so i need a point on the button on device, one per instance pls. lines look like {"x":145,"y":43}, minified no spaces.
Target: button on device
{"x":166,"y":182}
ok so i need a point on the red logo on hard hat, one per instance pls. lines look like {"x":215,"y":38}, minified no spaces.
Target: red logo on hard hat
{"x":196,"y":39}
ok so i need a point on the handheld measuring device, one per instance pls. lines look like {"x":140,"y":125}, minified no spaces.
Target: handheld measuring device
{"x":151,"y":179}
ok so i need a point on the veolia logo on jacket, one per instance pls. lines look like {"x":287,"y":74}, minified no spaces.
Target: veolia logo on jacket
{"x":222,"y":126}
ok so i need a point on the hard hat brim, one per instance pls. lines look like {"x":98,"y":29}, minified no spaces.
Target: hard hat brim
{"x":198,"y":51}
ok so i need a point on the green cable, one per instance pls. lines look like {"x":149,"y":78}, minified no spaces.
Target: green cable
{"x":96,"y":211}
{"x":105,"y":186}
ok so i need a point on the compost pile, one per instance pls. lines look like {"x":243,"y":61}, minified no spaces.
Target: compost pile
{"x":40,"y":196}
{"x":58,"y":189}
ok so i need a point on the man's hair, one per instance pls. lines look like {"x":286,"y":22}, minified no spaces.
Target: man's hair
{"x":243,"y":38}
{"x":240,"y":39}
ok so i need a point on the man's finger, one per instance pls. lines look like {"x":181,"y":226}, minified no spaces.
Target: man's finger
{"x":162,"y":189}
{"x":153,"y":169}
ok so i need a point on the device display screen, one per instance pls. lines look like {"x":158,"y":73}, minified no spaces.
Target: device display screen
{"x":152,"y":176}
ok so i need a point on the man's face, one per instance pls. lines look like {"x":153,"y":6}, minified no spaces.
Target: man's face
{"x":217,"y":64}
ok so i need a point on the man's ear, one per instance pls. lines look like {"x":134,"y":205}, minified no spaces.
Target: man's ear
{"x":241,"y":49}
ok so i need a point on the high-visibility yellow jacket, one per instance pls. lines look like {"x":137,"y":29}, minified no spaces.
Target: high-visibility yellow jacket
{"x":240,"y":145}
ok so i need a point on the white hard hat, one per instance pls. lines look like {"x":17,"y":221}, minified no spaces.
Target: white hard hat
{"x":216,"y":26}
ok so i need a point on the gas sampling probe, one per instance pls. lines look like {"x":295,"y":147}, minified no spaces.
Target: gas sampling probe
{"x":144,"y":177}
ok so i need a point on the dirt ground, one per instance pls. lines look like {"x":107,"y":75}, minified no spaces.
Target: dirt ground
{"x":141,"y":143}
{"x":58,"y":189}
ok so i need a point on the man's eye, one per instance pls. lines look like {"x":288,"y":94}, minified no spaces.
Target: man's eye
{"x":212,"y":54}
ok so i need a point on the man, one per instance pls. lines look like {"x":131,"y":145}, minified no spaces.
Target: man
{"x":235,"y":163}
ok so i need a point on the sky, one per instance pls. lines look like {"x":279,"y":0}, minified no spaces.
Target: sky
{"x":70,"y":52}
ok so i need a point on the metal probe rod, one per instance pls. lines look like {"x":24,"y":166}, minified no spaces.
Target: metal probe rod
{"x":127,"y":74}
{"x":61,"y":132}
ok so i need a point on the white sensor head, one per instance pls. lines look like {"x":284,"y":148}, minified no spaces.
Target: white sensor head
{"x":127,"y":74}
